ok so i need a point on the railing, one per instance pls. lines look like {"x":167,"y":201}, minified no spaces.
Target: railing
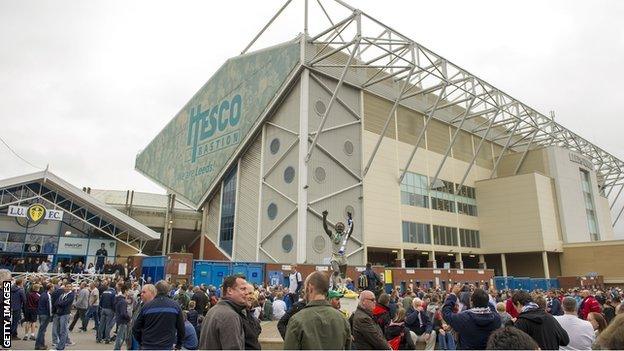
{"x":86,"y":277}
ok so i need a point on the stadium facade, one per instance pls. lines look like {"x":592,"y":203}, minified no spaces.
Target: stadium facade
{"x":439,"y":167}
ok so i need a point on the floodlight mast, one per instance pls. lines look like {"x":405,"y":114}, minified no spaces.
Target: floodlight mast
{"x":415,"y":71}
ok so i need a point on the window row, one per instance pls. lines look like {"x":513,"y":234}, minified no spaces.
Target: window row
{"x":469,"y":238}
{"x":419,"y":233}
{"x":444,"y":196}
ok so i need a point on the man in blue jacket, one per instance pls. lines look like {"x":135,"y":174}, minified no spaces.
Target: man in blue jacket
{"x":18,"y":300}
{"x":44,"y":311}
{"x":158,"y":322}
{"x":107,"y":302}
{"x":63,"y":310}
{"x":475,"y":324}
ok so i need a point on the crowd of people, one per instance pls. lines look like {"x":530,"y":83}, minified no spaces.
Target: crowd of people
{"x":310,"y":316}
{"x":43,"y":265}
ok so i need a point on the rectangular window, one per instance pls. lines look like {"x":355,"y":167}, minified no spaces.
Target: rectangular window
{"x":444,"y":235}
{"x":416,"y":233}
{"x":592,"y":224}
{"x":228,"y":207}
{"x":469,"y":238}
{"x":414,"y":190}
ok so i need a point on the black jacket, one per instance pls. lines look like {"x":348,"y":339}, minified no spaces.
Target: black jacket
{"x":367,"y":334}
{"x":393,"y":330}
{"x":252,"y":329}
{"x":63,"y":305}
{"x":201,"y":301}
{"x":283,"y":322}
{"x":121,"y":310}
{"x":543,"y":328}
{"x":474,"y":328}
{"x":58,"y":291}
{"x":157,"y":323}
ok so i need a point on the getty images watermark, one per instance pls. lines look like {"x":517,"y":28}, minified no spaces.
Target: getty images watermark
{"x":6,"y":315}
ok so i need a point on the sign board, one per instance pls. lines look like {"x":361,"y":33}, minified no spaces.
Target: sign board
{"x":437,"y":271}
{"x":322,"y":268}
{"x":182,"y":268}
{"x":286,"y":267}
{"x":460,"y":271}
{"x":481,"y":272}
{"x":35,"y":213}
{"x":72,"y":246}
{"x":360,"y":269}
{"x":410,"y":271}
{"x":188,"y":154}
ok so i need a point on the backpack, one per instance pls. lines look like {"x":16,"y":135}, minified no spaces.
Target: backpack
{"x":363,"y":281}
{"x":395,"y":342}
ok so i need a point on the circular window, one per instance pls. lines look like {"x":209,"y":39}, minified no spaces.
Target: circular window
{"x":287,"y":243}
{"x":319,"y":244}
{"x":272,"y":211}
{"x":274,"y":146}
{"x":289,"y":174}
{"x":320,"y":107}
{"x":319,"y":174}
{"x":348,"y":147}
{"x":349,"y":209}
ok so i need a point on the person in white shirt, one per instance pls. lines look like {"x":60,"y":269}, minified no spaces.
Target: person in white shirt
{"x":296,"y":282}
{"x":43,"y":267}
{"x":580,"y":331}
{"x":279,"y":306}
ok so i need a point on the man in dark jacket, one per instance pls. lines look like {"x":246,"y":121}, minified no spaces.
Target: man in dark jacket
{"x":107,"y":315}
{"x":44,"y":311}
{"x":475,"y":324}
{"x":158,"y":322}
{"x":367,"y":334}
{"x":63,"y":310}
{"x":421,"y":326}
{"x":541,"y":326}
{"x":553,"y":305}
{"x":372,"y":278}
{"x":18,"y":300}
{"x":201,"y":300}
{"x":283,"y":322}
{"x":122,"y":317}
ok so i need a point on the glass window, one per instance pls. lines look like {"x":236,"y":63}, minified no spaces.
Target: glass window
{"x":416,"y":233}
{"x":589,"y":206}
{"x":228,"y":205}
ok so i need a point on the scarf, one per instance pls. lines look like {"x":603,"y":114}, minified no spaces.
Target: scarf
{"x":480,"y":310}
{"x":529,"y":307}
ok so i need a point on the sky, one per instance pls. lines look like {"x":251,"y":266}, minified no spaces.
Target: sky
{"x":85,"y":85}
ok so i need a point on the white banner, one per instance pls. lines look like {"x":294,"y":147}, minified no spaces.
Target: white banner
{"x":72,"y":246}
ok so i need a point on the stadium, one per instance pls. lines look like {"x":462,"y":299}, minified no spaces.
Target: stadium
{"x":439,"y":168}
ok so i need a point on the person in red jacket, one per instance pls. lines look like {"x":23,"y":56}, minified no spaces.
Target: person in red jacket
{"x":588,"y":304}
{"x":511,"y":309}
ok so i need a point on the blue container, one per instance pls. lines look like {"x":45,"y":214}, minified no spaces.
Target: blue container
{"x":210,"y":272}
{"x":554,"y":283}
{"x":153,"y":268}
{"x":213,"y":272}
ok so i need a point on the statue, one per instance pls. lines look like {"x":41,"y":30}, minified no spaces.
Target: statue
{"x":339,"y":241}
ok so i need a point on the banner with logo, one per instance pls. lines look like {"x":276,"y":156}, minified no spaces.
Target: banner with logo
{"x":191,"y":150}
{"x":35,"y":213}
{"x":72,"y":246}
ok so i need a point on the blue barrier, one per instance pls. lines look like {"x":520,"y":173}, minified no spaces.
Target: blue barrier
{"x":213,"y":272}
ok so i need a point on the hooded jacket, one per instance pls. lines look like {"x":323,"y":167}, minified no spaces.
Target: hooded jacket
{"x":381,"y":316}
{"x":18,"y":297}
{"x":474,"y":327}
{"x":543,"y":328}
{"x":394,"y":329}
